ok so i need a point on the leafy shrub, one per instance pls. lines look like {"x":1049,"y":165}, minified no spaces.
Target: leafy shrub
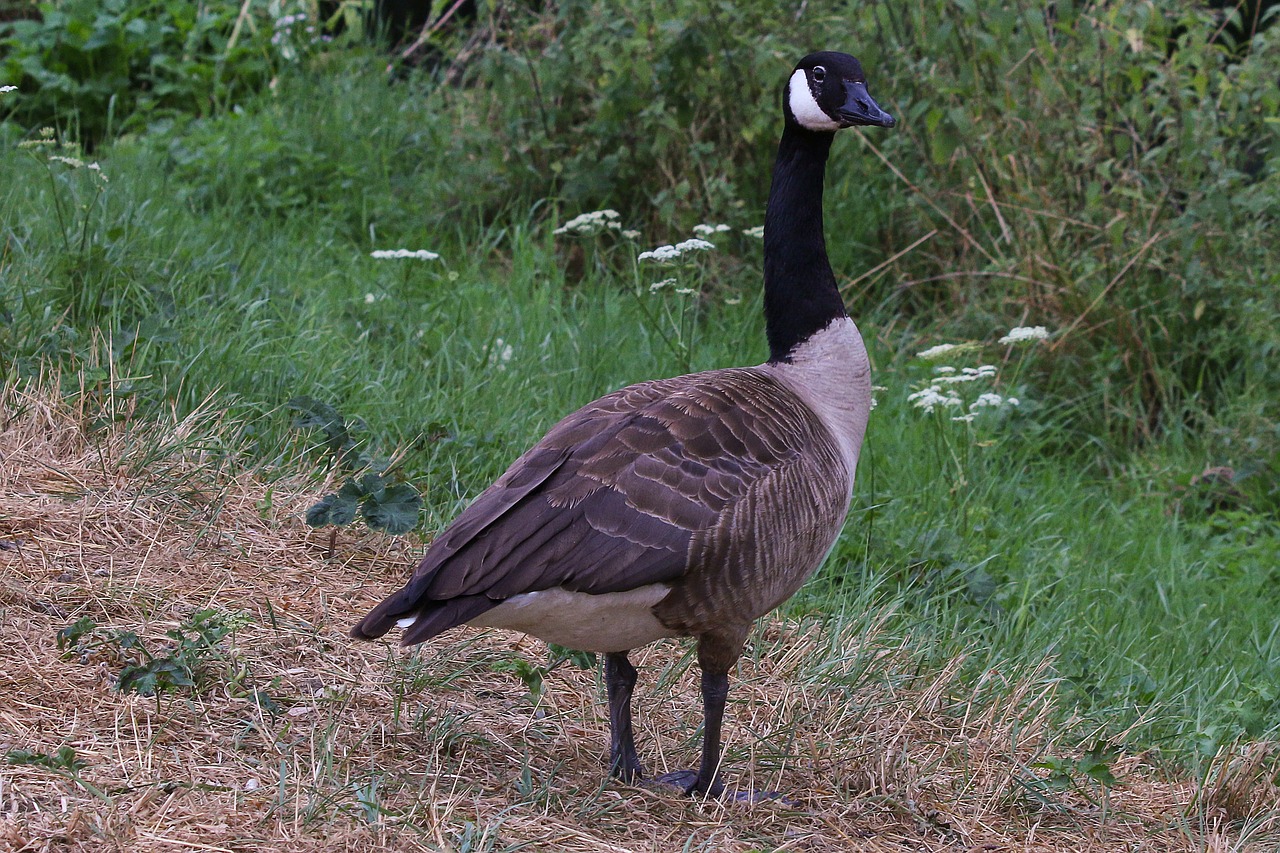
{"x":102,"y":67}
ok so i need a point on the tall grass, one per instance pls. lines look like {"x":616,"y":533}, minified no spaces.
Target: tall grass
{"x":230,"y":255}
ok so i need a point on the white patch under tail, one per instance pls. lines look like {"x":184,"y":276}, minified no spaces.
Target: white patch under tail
{"x":610,"y":622}
{"x":804,"y":107}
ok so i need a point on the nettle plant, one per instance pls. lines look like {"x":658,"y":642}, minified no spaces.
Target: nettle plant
{"x":371,"y":490}
{"x":191,"y":656}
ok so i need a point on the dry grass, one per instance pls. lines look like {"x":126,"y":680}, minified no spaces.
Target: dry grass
{"x":372,"y":749}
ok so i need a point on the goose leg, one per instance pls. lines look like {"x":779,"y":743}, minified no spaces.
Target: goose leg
{"x":716,"y":655}
{"x":619,"y":682}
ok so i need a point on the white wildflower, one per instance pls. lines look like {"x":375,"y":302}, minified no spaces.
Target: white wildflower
{"x":967,"y":374}
{"x":965,"y":418}
{"x":989,"y":400}
{"x":733,"y":300}
{"x":500,"y":353}
{"x":667,"y":254}
{"x":660,"y":255}
{"x":592,"y":223}
{"x":757,"y":232}
{"x":419,"y":254}
{"x":703,"y":230}
{"x":658,"y":285}
{"x":932,"y":397}
{"x":4,"y":90}
{"x":630,"y":234}
{"x":73,"y":162}
{"x":370,"y":298}
{"x":875,"y":389}
{"x":936,"y":352}
{"x":944,"y":369}
{"x":685,"y":291}
{"x":1025,"y":334}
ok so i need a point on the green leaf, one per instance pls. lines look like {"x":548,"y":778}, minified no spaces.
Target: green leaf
{"x":395,"y":511}
{"x":1096,"y":763}
{"x":335,"y":509}
{"x":70,"y":636}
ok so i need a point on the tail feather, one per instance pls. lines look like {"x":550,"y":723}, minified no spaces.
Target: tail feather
{"x":430,"y":617}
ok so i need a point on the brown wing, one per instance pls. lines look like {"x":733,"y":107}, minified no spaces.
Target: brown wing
{"x":620,"y":494}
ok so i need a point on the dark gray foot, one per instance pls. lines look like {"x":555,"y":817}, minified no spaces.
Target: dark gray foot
{"x":686,"y":781}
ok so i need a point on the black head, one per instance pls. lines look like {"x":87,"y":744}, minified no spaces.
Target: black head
{"x":828,"y":91}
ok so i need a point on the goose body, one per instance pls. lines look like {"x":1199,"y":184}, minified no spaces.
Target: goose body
{"x":688,"y":506}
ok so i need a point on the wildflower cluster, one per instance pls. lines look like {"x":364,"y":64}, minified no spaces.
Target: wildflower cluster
{"x":704,"y":230}
{"x":671,"y":254}
{"x":595,"y":222}
{"x":965,"y":392}
{"x":500,"y":354}
{"x":1025,"y":334}
{"x":944,"y":391}
{"x":68,"y":152}
{"x":936,"y":353}
{"x":287,"y":32}
{"x":757,"y":232}
{"x":418,"y":254}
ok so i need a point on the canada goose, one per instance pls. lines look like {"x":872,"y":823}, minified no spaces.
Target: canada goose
{"x":686,"y":506}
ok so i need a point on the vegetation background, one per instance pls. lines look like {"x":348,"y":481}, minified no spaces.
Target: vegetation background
{"x":195,"y":229}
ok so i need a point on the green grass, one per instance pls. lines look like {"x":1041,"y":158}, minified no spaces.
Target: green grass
{"x":230,"y":257}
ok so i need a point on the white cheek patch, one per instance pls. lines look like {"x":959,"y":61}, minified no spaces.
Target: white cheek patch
{"x":804,"y":107}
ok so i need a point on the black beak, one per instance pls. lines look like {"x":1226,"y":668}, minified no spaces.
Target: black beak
{"x":860,"y":108}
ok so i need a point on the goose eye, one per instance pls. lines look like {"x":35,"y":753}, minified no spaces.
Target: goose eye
{"x":819,"y":73}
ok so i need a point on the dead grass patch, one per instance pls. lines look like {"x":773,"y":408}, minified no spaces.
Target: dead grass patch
{"x":302,"y":739}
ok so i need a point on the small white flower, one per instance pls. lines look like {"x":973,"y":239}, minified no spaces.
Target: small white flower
{"x":932,"y":397}
{"x":631,"y":234}
{"x":500,"y":353}
{"x":757,"y":232}
{"x":965,"y":418}
{"x":936,"y":352}
{"x":704,"y":230}
{"x":988,"y":400}
{"x":667,"y":254}
{"x":685,"y":291}
{"x":944,"y":369}
{"x":660,"y":255}
{"x":73,"y":162}
{"x":4,"y":90}
{"x":369,"y":299}
{"x":420,"y":254}
{"x":591,"y":223}
{"x":733,"y":300}
{"x":1025,"y":334}
{"x":658,"y":285}
{"x":874,"y":390}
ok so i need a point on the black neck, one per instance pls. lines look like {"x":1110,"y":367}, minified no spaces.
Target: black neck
{"x":800,"y":294}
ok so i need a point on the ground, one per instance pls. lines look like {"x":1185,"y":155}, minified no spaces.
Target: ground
{"x":295,"y":737}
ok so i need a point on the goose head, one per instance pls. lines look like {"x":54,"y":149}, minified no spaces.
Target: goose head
{"x":828,"y":91}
